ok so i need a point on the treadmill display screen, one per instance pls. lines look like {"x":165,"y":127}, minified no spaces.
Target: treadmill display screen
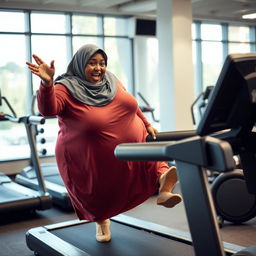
{"x":233,"y":99}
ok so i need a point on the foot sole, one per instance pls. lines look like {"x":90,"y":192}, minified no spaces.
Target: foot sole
{"x":168,"y":200}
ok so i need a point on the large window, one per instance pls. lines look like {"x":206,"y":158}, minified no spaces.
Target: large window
{"x":49,"y":48}
{"x":239,"y":39}
{"x":52,"y":36}
{"x":211,"y":44}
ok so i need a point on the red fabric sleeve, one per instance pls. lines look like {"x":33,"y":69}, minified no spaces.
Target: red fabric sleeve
{"x":142,"y":117}
{"x":51,"y":100}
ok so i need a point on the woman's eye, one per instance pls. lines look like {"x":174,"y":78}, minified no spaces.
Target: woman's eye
{"x":95,"y":64}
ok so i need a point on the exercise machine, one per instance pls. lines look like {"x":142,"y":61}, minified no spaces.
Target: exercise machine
{"x":53,"y":181}
{"x":15,"y":197}
{"x":229,"y":119}
{"x":146,"y":108}
{"x":231,"y":198}
{"x":231,"y":113}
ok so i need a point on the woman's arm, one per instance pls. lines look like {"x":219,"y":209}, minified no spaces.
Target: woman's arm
{"x":150,"y":129}
{"x":51,"y":100}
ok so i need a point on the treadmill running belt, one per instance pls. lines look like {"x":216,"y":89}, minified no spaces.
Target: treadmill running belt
{"x":125,"y":241}
{"x":9,"y":195}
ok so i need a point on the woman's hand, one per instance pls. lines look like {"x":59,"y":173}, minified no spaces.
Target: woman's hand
{"x":152,"y":131}
{"x":42,"y":70}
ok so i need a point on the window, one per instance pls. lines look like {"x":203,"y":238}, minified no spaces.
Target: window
{"x":88,"y":25}
{"x":238,"y":47}
{"x":239,"y":33}
{"x":78,"y":41}
{"x":52,"y":36}
{"x":50,"y":48}
{"x":115,"y":26}
{"x":212,"y":62}
{"x":211,"y":45}
{"x":13,"y":76}
{"x":120,"y":60}
{"x":211,"y":32}
{"x":49,"y":23}
{"x":12,"y":21}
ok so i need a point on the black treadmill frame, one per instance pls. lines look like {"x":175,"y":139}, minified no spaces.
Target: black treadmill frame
{"x":58,"y":192}
{"x":26,"y":199}
{"x":42,"y":241}
{"x":202,"y":220}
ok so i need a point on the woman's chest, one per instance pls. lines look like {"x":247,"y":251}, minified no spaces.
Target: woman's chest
{"x":122,"y":108}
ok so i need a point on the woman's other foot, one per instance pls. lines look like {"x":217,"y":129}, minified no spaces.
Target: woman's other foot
{"x":103,"y":233}
{"x":167,"y":182}
{"x":168,"y":199}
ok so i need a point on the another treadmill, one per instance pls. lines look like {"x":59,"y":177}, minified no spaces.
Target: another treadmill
{"x":231,"y":113}
{"x":53,"y":181}
{"x":15,"y":197}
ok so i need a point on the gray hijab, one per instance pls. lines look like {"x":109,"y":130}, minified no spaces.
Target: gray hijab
{"x":75,"y":81}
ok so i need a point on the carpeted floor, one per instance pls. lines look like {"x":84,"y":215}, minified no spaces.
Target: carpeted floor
{"x":14,"y":227}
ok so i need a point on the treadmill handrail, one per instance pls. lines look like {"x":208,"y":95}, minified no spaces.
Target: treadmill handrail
{"x":172,"y":135}
{"x":24,"y":119}
{"x":28,"y":121}
{"x":2,"y":98}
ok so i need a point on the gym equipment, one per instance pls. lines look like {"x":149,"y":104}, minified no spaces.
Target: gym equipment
{"x":14,"y":197}
{"x":230,"y":117}
{"x":53,"y":181}
{"x":231,"y":198}
{"x":192,"y":156}
{"x":198,"y":106}
{"x":147,"y":108}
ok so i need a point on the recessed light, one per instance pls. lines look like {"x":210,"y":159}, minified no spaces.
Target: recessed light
{"x":249,"y":16}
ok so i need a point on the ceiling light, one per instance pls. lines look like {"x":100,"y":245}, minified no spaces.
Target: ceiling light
{"x":249,"y":16}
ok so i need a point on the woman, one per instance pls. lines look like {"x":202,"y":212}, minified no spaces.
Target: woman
{"x":95,"y":114}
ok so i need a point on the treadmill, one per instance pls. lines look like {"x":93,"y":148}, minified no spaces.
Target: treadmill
{"x":15,"y":197}
{"x":231,"y":113}
{"x":53,"y":181}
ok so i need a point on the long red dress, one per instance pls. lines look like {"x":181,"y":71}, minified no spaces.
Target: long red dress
{"x":100,"y":186}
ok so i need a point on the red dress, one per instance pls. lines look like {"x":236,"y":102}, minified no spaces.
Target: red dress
{"x":100,"y":186}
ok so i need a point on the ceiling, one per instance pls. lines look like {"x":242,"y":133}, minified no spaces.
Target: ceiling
{"x":224,"y":10}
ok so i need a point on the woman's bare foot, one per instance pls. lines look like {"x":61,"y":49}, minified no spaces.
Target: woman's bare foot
{"x":103,"y":233}
{"x":167,"y":182}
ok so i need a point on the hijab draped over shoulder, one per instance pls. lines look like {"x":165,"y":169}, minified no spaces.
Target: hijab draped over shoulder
{"x":75,"y":81}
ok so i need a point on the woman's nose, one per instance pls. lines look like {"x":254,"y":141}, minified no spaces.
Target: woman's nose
{"x":97,"y":66}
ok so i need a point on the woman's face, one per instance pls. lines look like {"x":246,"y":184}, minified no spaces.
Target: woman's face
{"x":95,"y":68}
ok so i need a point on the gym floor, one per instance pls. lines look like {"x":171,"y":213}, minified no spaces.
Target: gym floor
{"x":13,"y":227}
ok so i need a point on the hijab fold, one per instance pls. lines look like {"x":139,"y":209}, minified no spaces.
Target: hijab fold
{"x":84,"y":91}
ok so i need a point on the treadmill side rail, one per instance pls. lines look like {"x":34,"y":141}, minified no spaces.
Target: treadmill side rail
{"x":156,"y":151}
{"x":50,"y":244}
{"x":191,"y":150}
